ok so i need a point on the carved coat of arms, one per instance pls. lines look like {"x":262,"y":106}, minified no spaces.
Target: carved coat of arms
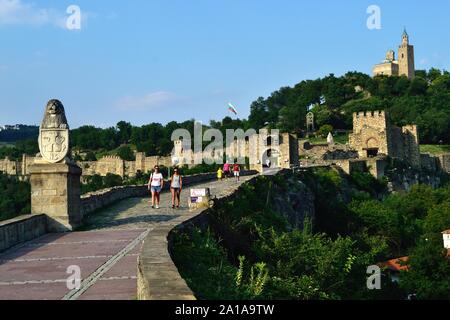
{"x":54,"y":133}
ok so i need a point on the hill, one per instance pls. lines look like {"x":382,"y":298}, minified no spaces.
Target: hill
{"x":12,"y":134}
{"x":424,"y":101}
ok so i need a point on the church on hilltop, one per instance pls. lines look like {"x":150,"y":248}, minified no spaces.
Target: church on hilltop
{"x":404,"y":66}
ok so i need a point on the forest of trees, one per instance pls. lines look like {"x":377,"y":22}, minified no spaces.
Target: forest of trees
{"x":22,"y":133}
{"x":15,"y":197}
{"x":251,"y":251}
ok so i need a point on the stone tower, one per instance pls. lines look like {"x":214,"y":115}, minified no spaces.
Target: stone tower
{"x":406,"y":57}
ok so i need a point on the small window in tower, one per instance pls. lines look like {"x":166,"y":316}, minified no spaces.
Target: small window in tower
{"x":403,"y":55}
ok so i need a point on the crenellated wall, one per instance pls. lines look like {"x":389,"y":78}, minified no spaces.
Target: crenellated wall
{"x":373,"y":135}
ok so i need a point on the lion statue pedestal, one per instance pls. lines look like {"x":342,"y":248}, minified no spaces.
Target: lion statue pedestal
{"x":54,"y":178}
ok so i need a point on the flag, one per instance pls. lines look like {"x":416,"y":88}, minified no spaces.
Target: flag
{"x":232,"y":108}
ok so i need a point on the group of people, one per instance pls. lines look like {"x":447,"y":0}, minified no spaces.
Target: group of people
{"x":228,"y":171}
{"x":156,"y":185}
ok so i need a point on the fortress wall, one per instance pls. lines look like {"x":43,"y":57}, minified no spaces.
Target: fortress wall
{"x":377,"y":167}
{"x":315,"y":150}
{"x":10,"y":167}
{"x":350,"y":166}
{"x":396,"y":142}
{"x":376,"y":119}
{"x":411,"y":147}
{"x":429,"y":162}
{"x":444,"y":162}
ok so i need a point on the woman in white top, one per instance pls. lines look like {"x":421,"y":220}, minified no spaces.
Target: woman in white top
{"x":175,"y":186}
{"x":155,"y":185}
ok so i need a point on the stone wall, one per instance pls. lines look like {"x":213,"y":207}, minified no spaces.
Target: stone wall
{"x":373,"y":133}
{"x":350,"y":166}
{"x":16,"y":231}
{"x":10,"y":167}
{"x":19,"y":168}
{"x":370,"y":131}
{"x":444,"y":162}
{"x":429,"y":162}
{"x":377,"y":167}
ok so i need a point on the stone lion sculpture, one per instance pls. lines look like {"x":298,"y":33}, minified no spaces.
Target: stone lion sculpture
{"x":55,"y":116}
{"x":54,"y":133}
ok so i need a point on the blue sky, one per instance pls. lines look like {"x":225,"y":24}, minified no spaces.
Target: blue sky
{"x":160,"y":60}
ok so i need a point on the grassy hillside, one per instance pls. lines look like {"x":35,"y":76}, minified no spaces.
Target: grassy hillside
{"x":435,"y":149}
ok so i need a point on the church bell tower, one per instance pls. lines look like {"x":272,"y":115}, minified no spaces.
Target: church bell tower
{"x":406,"y":57}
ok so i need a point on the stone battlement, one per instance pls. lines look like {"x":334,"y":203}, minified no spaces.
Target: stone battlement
{"x":370,"y":114}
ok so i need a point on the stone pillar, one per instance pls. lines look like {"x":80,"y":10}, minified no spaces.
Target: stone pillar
{"x":55,"y":191}
{"x":54,"y":178}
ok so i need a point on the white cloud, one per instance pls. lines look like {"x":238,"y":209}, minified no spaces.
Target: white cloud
{"x":152,"y":100}
{"x":17,"y":12}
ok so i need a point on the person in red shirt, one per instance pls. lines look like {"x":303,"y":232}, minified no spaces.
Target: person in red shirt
{"x":226,"y":170}
{"x":237,"y":171}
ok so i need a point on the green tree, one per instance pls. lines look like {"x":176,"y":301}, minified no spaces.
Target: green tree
{"x":112,"y":180}
{"x":325,"y":130}
{"x":428,"y":276}
{"x":125,"y":153}
{"x":438,"y":218}
{"x":90,"y":156}
{"x":125,"y":129}
{"x":15,"y":197}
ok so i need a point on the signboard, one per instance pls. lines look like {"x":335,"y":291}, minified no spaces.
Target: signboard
{"x":199,"y":193}
{"x":194,"y":199}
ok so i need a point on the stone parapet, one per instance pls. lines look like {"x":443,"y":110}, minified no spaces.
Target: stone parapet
{"x":16,"y":231}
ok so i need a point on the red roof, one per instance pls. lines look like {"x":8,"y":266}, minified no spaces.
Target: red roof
{"x":395,"y":265}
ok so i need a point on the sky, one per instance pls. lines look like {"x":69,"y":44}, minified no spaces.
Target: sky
{"x":147,"y":61}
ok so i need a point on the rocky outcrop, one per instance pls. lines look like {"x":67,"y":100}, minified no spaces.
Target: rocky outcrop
{"x":295,"y":202}
{"x":404,"y":180}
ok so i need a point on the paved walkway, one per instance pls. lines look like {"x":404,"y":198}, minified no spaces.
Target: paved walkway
{"x":106,"y":253}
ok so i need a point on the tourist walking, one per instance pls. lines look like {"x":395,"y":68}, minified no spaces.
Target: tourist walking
{"x":155,"y":185}
{"x":176,"y":185}
{"x":220,"y":174}
{"x":237,"y":172}
{"x":226,"y":170}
